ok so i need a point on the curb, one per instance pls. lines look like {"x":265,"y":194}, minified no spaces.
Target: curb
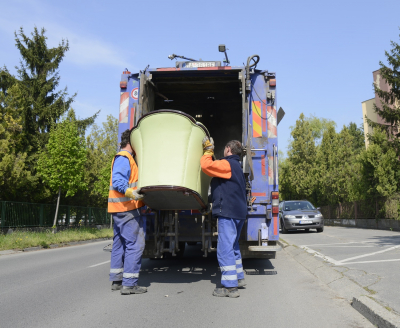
{"x":52,"y":246}
{"x":357,"y":296}
{"x":375,"y":313}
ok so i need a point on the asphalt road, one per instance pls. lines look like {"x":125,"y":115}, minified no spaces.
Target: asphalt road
{"x":69,"y":287}
{"x":368,"y":256}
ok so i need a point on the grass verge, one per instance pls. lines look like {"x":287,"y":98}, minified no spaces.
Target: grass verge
{"x":24,"y":239}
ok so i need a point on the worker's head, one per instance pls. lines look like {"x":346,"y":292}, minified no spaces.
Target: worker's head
{"x":125,"y":142}
{"x":233,"y":147}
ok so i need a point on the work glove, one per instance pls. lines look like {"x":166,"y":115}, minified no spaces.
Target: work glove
{"x":134,"y":194}
{"x":207,"y":210}
{"x":208,"y":146}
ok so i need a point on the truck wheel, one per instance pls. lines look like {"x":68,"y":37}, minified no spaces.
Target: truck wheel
{"x":320,"y":229}
{"x":284,"y":230}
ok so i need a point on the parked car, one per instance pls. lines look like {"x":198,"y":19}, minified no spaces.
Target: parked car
{"x":300,"y":214}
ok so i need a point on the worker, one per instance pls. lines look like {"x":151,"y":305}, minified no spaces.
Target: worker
{"x":229,"y":205}
{"x":125,"y":204}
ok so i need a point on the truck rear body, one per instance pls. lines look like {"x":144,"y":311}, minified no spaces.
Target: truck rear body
{"x":217,"y":97}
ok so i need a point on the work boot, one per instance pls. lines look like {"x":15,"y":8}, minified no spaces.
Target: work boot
{"x":127,"y":290}
{"x":116,"y":285}
{"x":226,"y":292}
{"x":241,"y":283}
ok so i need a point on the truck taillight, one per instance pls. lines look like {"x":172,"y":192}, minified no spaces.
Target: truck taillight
{"x":275,"y":202}
{"x":123,"y":84}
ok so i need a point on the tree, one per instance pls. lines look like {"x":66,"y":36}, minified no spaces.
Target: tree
{"x":298,"y":172}
{"x":37,"y":100}
{"x":390,"y":100}
{"x":358,"y":135}
{"x":337,"y":167}
{"x":317,"y":126}
{"x":380,"y":167}
{"x":15,"y":175}
{"x":61,"y":164}
{"x":102,"y":145}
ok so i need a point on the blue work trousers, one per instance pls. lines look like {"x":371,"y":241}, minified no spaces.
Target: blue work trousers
{"x":128,"y":247}
{"x":228,"y":251}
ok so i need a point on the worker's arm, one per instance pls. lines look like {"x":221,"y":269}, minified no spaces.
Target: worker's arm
{"x":216,"y":169}
{"x":120,"y":174}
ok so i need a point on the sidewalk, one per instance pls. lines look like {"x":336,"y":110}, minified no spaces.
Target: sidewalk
{"x":361,"y":265}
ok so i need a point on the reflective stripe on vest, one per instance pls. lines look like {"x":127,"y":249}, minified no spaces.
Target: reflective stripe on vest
{"x":131,"y":185}
{"x":117,"y":201}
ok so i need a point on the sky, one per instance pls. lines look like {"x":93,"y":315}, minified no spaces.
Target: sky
{"x":323,"y":52}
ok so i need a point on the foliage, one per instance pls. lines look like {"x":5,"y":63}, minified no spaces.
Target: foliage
{"x":32,"y":100}
{"x":298,"y":171}
{"x":102,"y":145}
{"x":25,"y":239}
{"x":380,"y":167}
{"x":389,"y":108}
{"x":317,"y":126}
{"x":62,"y":162}
{"x":15,"y":175}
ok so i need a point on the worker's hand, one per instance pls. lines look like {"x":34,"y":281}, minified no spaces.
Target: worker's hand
{"x":134,"y":194}
{"x":208,"y":146}
{"x":207,"y":210}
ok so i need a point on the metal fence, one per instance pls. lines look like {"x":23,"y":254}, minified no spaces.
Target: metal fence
{"x":378,"y":208}
{"x":18,"y":214}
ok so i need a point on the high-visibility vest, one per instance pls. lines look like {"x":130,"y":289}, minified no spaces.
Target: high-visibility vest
{"x":117,"y":201}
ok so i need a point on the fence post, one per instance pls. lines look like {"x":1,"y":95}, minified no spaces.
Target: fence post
{"x":3,"y":214}
{"x":41,"y":215}
{"x":355,"y":210}
{"x":67,"y":218}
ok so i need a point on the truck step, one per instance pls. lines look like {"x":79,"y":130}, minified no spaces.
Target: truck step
{"x":272,"y":248}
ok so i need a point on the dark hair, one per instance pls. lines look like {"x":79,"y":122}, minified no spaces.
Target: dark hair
{"x":125,"y":138}
{"x":235,"y":146}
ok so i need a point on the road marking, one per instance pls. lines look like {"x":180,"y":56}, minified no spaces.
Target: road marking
{"x":92,"y":266}
{"x":318,"y":254}
{"x":370,"y":254}
{"x":349,"y":246}
{"x":352,"y":242}
{"x":378,"y":261}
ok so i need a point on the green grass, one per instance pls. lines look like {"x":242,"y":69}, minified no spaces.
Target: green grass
{"x":23,"y":239}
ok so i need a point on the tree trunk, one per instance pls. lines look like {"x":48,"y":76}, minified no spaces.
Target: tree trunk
{"x":58,"y":204}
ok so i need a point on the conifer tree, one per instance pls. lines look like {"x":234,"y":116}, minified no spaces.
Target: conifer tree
{"x":39,"y":79}
{"x":390,"y":100}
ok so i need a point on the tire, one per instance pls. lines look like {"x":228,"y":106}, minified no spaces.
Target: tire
{"x":284,"y":230}
{"x":320,"y":229}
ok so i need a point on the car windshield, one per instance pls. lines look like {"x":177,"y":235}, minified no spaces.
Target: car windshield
{"x":298,"y":205}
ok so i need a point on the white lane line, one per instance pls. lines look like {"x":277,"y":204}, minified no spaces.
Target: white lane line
{"x":352,"y":242}
{"x":370,"y":254}
{"x":92,"y":266}
{"x":318,"y":254}
{"x":378,"y":261}
{"x":350,"y":246}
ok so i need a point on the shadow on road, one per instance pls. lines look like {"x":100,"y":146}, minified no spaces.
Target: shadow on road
{"x":385,"y":240}
{"x":194,"y":267}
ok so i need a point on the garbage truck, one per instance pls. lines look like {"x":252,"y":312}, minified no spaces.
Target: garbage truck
{"x":227,"y":103}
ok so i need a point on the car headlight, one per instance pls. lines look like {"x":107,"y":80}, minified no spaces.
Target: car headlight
{"x":290,"y":217}
{"x":319,"y":215}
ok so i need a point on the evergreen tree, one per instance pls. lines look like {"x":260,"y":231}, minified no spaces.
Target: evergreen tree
{"x":40,"y":104}
{"x":38,"y":79}
{"x":390,"y":100}
{"x":299,"y":169}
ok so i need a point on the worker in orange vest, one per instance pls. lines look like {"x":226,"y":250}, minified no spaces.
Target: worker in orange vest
{"x":125,"y":204}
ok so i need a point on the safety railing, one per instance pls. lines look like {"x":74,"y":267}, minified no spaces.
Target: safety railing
{"x":18,"y":214}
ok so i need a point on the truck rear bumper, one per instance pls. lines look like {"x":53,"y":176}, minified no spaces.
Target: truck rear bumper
{"x":270,"y":248}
